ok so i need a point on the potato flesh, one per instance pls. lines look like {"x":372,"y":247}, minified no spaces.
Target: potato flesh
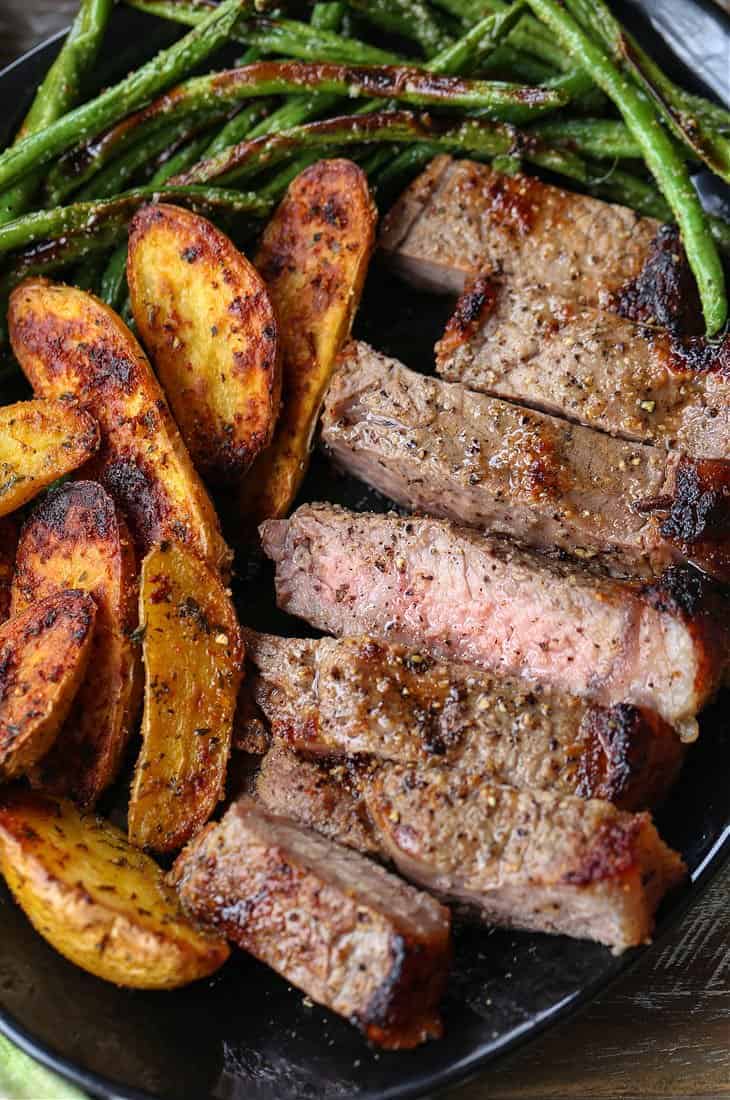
{"x":193,"y":659}
{"x":68,"y":342}
{"x":41,"y":441}
{"x":75,"y":539}
{"x":204,"y":315}
{"x":100,"y":902}
{"x":44,"y":652}
{"x":314,"y":257}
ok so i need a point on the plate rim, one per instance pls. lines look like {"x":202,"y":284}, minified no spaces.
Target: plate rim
{"x":467,"y":1068}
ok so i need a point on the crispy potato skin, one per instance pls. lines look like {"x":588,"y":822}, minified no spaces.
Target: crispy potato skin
{"x":98,"y":901}
{"x":44,"y":652}
{"x":204,"y":315}
{"x":193,"y":657}
{"x":75,"y":539}
{"x":41,"y":441}
{"x":314,"y":257}
{"x":70,"y":343}
{"x":9,"y":532}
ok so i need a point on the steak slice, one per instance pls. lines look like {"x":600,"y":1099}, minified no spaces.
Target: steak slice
{"x":519,"y":858}
{"x":322,"y":794}
{"x":526,"y":859}
{"x":350,"y":934}
{"x":357,"y":697}
{"x":591,"y":367}
{"x":462,"y":596}
{"x":440,"y":448}
{"x":460,"y":218}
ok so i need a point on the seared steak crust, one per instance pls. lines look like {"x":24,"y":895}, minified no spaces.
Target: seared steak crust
{"x":460,"y":218}
{"x":350,"y":934}
{"x":357,"y":697}
{"x":591,"y":367}
{"x":321,"y":793}
{"x":483,"y":600}
{"x":440,"y":448}
{"x":520,"y":858}
{"x":528,"y":859}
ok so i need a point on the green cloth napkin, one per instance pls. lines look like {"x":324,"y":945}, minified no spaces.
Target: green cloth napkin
{"x":23,"y":1079}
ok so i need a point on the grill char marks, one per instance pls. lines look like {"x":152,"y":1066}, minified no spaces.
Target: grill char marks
{"x":357,"y":697}
{"x":699,"y":520}
{"x":461,"y":596}
{"x":347,"y":932}
{"x":664,"y":292}
{"x":460,"y":218}
{"x":519,"y":858}
{"x":440,"y":448}
{"x":594,"y":368}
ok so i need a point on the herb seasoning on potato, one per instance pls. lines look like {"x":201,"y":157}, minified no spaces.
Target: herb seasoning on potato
{"x":96,"y":899}
{"x":41,"y":441}
{"x":314,"y":256}
{"x":44,"y":652}
{"x":205,"y":317}
{"x":193,"y":660}
{"x":75,"y":539}
{"x":69,"y":342}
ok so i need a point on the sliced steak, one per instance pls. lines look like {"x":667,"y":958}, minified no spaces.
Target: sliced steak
{"x":458,"y":595}
{"x":438,"y":447}
{"x":460,"y":218}
{"x":322,"y":794}
{"x":344,"y":930}
{"x":526,"y":859}
{"x":591,"y":367}
{"x":357,"y":697}
{"x":519,"y":858}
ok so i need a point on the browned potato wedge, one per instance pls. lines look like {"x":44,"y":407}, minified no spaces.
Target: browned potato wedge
{"x":41,"y":441}
{"x":68,"y":342}
{"x":43,"y":656}
{"x":96,"y":899}
{"x":204,"y":315}
{"x":193,"y":658}
{"x":314,"y":256}
{"x":9,"y":531}
{"x":74,"y":539}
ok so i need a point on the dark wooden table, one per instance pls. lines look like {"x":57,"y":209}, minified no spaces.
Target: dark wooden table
{"x":663,"y":1030}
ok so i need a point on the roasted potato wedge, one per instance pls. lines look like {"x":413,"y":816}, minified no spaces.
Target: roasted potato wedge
{"x":192,"y":658}
{"x":75,"y":539}
{"x":96,"y":899}
{"x":314,"y":257}
{"x":41,"y":441}
{"x":68,"y":342}
{"x":44,"y":652}
{"x":9,"y":531}
{"x":204,"y":315}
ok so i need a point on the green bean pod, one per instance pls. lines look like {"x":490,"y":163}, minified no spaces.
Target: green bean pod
{"x":111,"y":216}
{"x":327,"y":15}
{"x":473,"y":136}
{"x":220,"y":91}
{"x":700,"y":139}
{"x":606,"y":139}
{"x":288,"y":37}
{"x":662,"y":157}
{"x":408,"y":18}
{"x":35,"y":150}
{"x":59,"y":91}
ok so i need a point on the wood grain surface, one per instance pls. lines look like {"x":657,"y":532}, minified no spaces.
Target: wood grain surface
{"x":663,"y":1030}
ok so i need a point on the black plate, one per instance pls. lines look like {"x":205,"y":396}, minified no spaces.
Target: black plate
{"x":246,"y":1034}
